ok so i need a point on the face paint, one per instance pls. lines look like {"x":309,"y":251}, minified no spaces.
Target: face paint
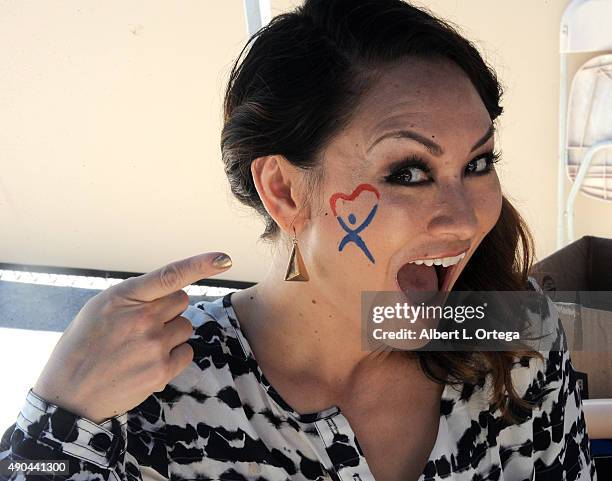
{"x":352,"y":233}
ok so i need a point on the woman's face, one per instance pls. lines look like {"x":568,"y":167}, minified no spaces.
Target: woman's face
{"x":379,"y":209}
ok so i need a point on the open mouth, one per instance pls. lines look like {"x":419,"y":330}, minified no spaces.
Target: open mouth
{"x":442,"y":273}
{"x":420,"y":277}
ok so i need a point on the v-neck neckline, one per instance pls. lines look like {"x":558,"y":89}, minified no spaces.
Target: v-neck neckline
{"x":331,"y":418}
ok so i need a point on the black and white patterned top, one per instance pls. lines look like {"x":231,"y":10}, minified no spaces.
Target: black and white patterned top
{"x":220,"y":419}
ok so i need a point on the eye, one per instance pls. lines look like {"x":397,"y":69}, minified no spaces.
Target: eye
{"x":483,"y":164}
{"x":414,"y":171}
{"x":410,"y":171}
{"x":411,"y":175}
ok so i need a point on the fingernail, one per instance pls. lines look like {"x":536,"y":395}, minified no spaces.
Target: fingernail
{"x":222,"y":261}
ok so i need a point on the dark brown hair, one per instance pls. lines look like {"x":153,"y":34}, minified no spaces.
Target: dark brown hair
{"x":297,"y":87}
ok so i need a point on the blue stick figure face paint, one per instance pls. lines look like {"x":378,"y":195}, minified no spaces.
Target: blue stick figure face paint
{"x":353,"y":233}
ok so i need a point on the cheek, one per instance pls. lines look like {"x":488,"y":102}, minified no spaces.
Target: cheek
{"x":401,"y":217}
{"x":355,"y":213}
{"x":357,"y":242}
{"x":400,"y":220}
{"x":487,"y":201}
{"x":342,"y":237}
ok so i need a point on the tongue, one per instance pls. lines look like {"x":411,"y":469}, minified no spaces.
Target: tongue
{"x":419,"y":284}
{"x":413,"y":277}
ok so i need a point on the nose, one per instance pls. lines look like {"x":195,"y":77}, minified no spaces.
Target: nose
{"x":454,"y":214}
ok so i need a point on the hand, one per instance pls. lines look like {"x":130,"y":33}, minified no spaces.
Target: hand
{"x":126,"y":343}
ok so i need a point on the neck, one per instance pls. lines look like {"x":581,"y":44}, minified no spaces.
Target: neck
{"x":309,"y":333}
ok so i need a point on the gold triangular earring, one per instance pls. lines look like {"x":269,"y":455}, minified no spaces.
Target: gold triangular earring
{"x":296,"y":270}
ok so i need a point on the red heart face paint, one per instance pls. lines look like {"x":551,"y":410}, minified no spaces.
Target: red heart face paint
{"x":352,"y":233}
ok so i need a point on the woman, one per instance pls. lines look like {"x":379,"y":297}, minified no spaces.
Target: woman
{"x":363,"y":133}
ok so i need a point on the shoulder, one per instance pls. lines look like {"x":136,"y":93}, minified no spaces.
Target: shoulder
{"x":203,"y":312}
{"x":533,"y":377}
{"x":532,"y":285}
{"x":214,"y":341}
{"x":553,"y":436}
{"x":553,"y":373}
{"x":214,"y":327}
{"x":559,"y":424}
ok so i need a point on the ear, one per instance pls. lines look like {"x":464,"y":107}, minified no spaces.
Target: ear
{"x":279,"y":186}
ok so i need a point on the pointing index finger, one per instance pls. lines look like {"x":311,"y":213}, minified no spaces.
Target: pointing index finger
{"x":174,"y":276}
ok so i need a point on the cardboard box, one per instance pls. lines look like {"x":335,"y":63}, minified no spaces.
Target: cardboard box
{"x":578,"y":279}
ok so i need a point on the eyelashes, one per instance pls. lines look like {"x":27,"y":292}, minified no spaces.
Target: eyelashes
{"x":402,"y":171}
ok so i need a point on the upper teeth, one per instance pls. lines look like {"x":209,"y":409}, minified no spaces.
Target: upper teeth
{"x":444,"y":261}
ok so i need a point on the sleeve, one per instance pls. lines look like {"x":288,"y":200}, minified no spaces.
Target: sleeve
{"x":128,"y":446}
{"x":561,"y":448}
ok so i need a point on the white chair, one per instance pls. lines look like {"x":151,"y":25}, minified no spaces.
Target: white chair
{"x":585,"y":120}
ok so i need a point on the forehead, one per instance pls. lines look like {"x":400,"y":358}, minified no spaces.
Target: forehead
{"x":434,"y":96}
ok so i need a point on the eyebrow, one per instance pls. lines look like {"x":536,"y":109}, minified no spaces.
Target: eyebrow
{"x":430,"y":145}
